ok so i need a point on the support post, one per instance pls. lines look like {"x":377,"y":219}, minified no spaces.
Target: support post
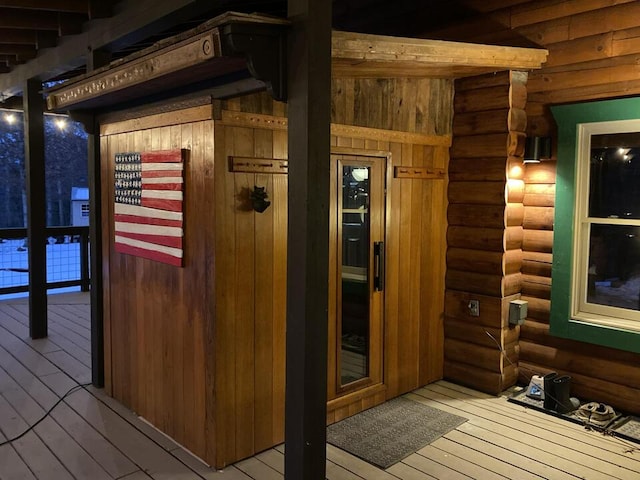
{"x":95,"y":252}
{"x":309,"y":101}
{"x":84,"y":262}
{"x":36,"y":206}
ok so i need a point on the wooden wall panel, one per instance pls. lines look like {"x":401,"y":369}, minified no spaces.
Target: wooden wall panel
{"x":199,"y":351}
{"x":156,"y":320}
{"x":251,"y":294}
{"x":416,"y":220}
{"x":415,"y":274}
{"x":407,"y":105}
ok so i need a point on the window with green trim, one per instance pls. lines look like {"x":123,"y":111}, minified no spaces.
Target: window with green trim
{"x":596,"y":253}
{"x":606,"y":245}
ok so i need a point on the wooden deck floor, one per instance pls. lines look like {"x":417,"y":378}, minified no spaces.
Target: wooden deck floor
{"x":91,"y":436}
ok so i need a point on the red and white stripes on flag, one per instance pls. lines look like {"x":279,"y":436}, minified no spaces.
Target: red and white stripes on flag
{"x":148,"y":213}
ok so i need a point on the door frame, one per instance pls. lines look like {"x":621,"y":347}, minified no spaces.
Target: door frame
{"x":337,"y":396}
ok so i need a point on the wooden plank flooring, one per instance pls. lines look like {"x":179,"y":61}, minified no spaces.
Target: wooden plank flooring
{"x":91,"y":436}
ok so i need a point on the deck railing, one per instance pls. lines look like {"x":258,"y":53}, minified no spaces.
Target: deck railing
{"x":67,"y":259}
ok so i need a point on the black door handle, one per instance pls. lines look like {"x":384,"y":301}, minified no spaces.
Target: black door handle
{"x":378,"y":266}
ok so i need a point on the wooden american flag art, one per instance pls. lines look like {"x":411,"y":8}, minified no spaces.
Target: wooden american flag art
{"x":148,"y":213}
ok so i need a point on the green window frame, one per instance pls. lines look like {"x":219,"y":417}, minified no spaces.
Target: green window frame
{"x":563,"y":323}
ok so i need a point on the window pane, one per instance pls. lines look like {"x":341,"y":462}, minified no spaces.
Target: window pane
{"x":614,"y":266}
{"x":614,"y":176}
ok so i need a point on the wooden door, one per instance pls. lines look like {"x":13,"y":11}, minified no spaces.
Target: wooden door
{"x":357,"y":231}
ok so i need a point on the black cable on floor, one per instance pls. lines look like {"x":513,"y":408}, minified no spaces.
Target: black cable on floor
{"x":46,"y":414}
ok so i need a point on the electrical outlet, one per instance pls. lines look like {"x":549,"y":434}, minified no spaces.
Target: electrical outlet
{"x":474,"y":308}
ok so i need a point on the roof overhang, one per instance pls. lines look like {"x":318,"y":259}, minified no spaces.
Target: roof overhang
{"x":234,"y":46}
{"x":362,"y":55}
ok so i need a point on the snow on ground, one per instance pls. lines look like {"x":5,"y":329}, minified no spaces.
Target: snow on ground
{"x":63,"y":263}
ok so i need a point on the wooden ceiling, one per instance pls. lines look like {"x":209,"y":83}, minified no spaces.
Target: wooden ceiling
{"x":50,"y":39}
{"x":27,"y":26}
{"x":594,"y":45}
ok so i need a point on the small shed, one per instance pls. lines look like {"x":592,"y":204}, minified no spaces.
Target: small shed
{"x":199,"y":351}
{"x":79,"y":206}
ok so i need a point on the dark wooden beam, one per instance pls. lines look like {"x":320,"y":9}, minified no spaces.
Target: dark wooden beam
{"x":38,"y":38}
{"x":95,"y":236}
{"x":309,"y":101}
{"x":9,"y":60}
{"x":99,"y":9}
{"x":36,"y":207}
{"x":32,"y":20}
{"x":46,"y":39}
{"x":134,"y":21}
{"x":91,"y":126}
{"x":70,"y":23}
{"x":71,"y":6}
{"x":18,"y":36}
{"x":96,"y":59}
{"x":22,"y":52}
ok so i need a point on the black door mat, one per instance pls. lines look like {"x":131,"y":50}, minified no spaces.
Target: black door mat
{"x":627,"y":427}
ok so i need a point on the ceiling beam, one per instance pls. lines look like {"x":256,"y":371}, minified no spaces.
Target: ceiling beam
{"x":92,"y":8}
{"x":8,"y":59}
{"x":71,"y":6}
{"x":134,"y":21}
{"x":17,"y":18}
{"x":18,"y":36}
{"x":22,"y":52}
{"x":100,"y":9}
{"x":39,"y":38}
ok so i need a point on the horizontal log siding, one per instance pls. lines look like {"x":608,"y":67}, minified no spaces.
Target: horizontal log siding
{"x":593,"y":55}
{"x":599,"y":373}
{"x":485,"y":216}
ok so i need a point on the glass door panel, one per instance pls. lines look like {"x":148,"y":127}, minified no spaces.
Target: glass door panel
{"x":355,"y":276}
{"x":357,"y":266}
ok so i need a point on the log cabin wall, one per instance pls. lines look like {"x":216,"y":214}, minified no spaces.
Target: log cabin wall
{"x":484,"y":255}
{"x":593,"y":55}
{"x":158,"y":325}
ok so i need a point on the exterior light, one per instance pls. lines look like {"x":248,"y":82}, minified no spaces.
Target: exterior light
{"x":536,"y":149}
{"x":61,"y":123}
{"x":10,"y":118}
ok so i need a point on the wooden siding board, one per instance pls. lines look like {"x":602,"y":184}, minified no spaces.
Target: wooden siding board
{"x":244,"y":319}
{"x":405,"y":339}
{"x":193,"y":183}
{"x":265,"y":293}
{"x":279,"y":301}
{"x":392,"y":295}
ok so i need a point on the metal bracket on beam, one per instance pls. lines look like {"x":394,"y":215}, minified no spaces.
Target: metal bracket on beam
{"x":265,"y":48}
